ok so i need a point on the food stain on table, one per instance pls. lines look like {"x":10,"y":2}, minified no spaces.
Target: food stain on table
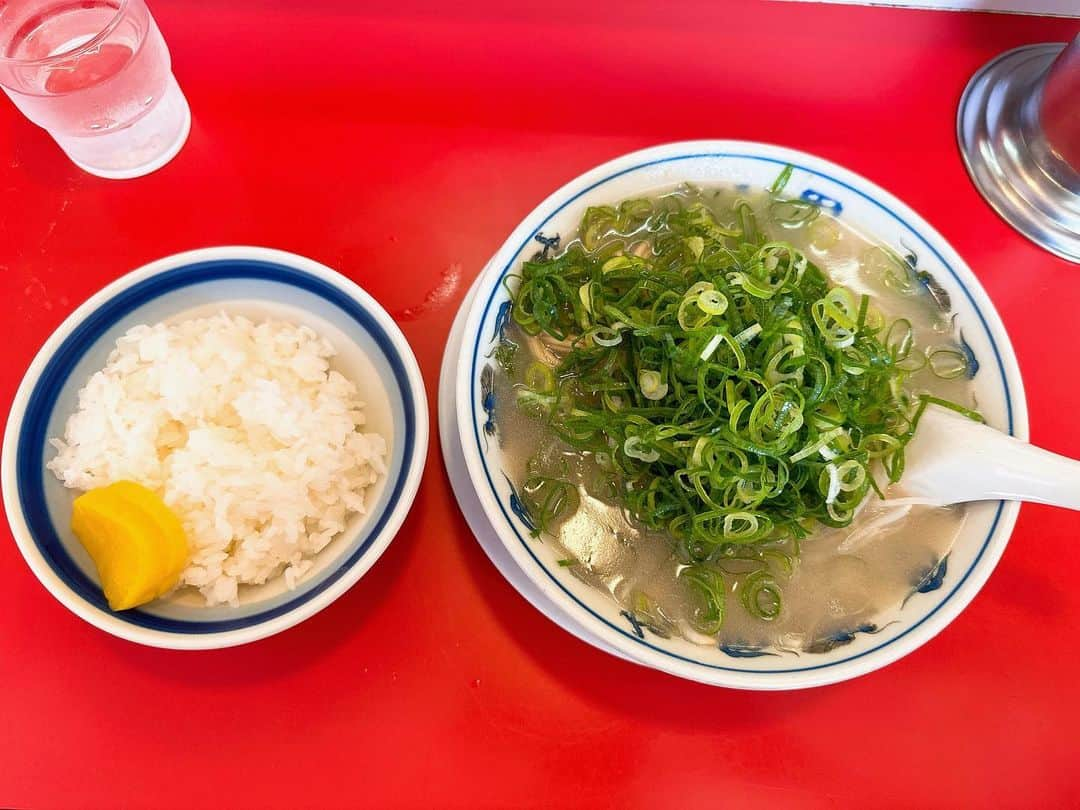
{"x":440,"y":295}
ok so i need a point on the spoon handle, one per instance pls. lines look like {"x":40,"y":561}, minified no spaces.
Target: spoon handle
{"x":959,"y":460}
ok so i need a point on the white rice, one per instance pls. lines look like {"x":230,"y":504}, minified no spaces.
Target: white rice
{"x":245,"y":432}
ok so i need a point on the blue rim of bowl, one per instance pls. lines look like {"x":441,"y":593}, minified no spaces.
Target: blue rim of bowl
{"x":621,"y":631}
{"x":31,"y":445}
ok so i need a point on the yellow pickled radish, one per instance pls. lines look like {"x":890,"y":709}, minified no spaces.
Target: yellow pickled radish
{"x":134,"y":539}
{"x":166,"y":520}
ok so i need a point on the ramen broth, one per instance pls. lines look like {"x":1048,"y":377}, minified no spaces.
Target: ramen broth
{"x":845,"y":579}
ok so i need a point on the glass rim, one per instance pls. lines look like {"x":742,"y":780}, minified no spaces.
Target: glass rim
{"x":97,"y":39}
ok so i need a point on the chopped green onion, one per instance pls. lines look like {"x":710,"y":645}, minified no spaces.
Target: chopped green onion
{"x":900,"y":338}
{"x":547,"y":499}
{"x":631,"y":447}
{"x":607,"y":336}
{"x":739,"y":526}
{"x":781,"y":180}
{"x":708,"y":584}
{"x":760,"y":595}
{"x":815,"y":446}
{"x":835,"y":317}
{"x":585,"y":294}
{"x":696,"y":245}
{"x":926,"y":399}
{"x":948,"y":364}
{"x":733,"y":395}
{"x":652,"y":385}
{"x":890,"y":267}
{"x":793,"y":213}
{"x":540,"y":377}
{"x":711,"y":302}
{"x":747,"y":334}
{"x":711,"y":346}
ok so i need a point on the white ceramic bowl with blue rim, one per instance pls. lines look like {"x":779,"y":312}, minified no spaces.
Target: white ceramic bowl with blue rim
{"x":938,"y":595}
{"x":258,"y":283}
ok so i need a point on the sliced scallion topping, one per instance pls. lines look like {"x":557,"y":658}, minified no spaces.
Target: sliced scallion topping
{"x":708,"y":585}
{"x":733,"y":395}
{"x":948,"y":364}
{"x":760,"y":595}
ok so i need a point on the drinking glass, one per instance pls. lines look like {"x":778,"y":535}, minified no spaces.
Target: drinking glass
{"x":1019,"y":133}
{"x":96,"y":75}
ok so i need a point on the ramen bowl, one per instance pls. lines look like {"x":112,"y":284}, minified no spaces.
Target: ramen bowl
{"x":937,"y":595}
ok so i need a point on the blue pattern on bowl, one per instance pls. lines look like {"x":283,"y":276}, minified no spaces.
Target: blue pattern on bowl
{"x":736,"y":650}
{"x":634,"y":623}
{"x":839,"y":639}
{"x":969,"y":356}
{"x":550,"y":243}
{"x":487,"y":388}
{"x":517,"y":506}
{"x":501,"y":320}
{"x":822,"y":200}
{"x":934,"y":578}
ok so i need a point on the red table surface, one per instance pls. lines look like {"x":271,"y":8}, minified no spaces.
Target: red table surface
{"x":400,"y":142}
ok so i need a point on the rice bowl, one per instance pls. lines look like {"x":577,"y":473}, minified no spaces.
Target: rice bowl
{"x":253,"y":439}
{"x":258,"y":284}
